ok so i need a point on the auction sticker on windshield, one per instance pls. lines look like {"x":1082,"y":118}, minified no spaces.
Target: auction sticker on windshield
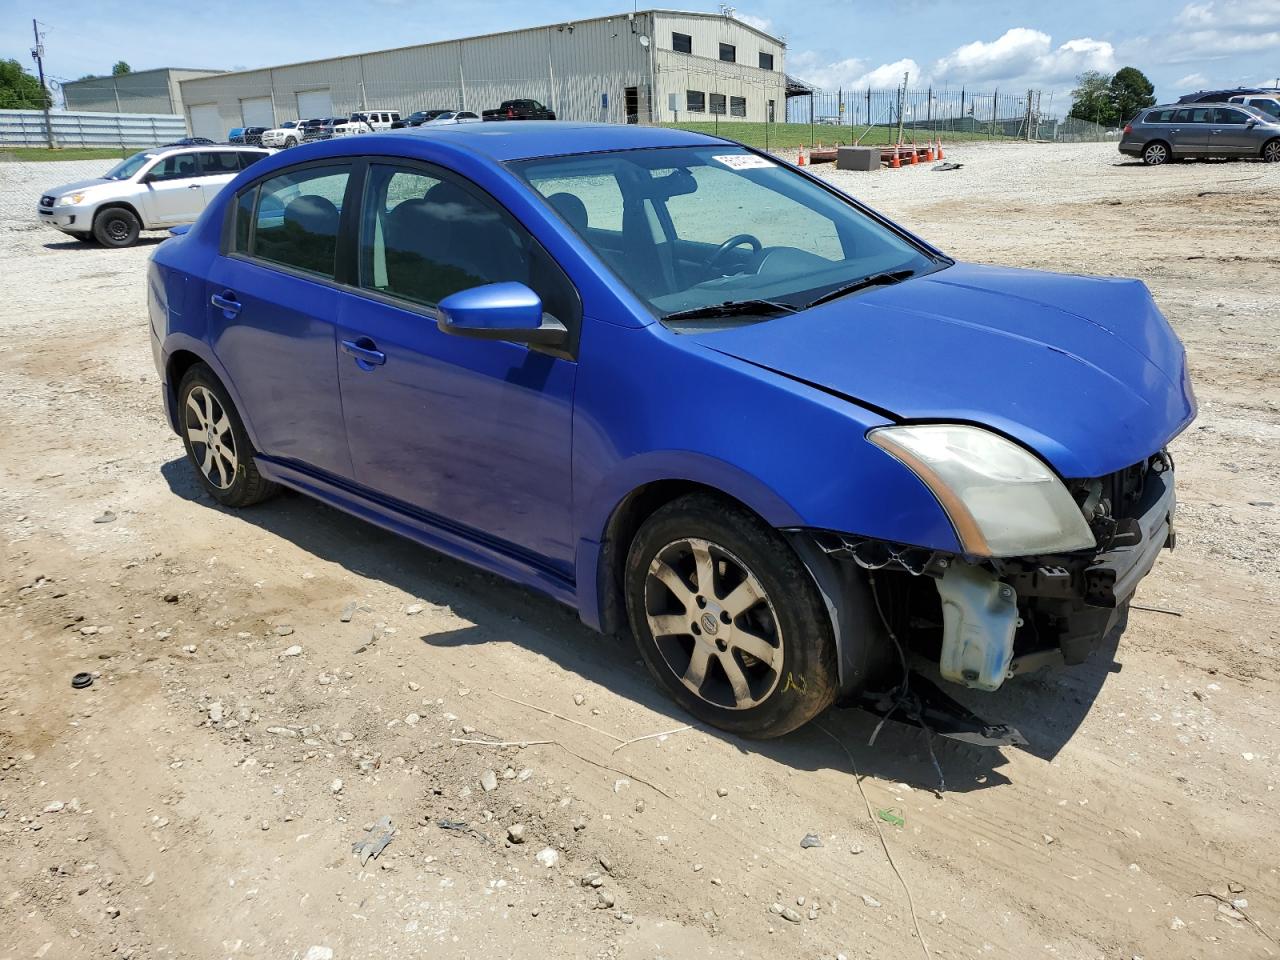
{"x":744,"y":161}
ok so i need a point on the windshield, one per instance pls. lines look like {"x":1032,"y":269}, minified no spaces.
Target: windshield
{"x":688,"y":228}
{"x":127,"y":168}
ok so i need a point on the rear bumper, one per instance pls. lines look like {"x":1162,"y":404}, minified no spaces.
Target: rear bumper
{"x":1131,"y":148}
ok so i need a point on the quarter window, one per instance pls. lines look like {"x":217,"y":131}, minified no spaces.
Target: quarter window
{"x":681,"y":43}
{"x":294,"y":222}
{"x":425,"y":236}
{"x":1160,"y":116}
{"x":728,"y":53}
{"x":695,"y":101}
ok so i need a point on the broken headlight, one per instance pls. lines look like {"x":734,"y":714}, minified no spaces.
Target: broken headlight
{"x":1002,"y":500}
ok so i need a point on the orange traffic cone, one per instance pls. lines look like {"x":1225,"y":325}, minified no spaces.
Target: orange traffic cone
{"x":941,"y":155}
{"x":895,"y":162}
{"x":915,"y":154}
{"x":928,"y":153}
{"x":800,"y":158}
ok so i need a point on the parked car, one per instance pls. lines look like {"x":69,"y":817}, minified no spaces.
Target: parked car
{"x":417,"y":118}
{"x":452,"y":116}
{"x":253,"y":136}
{"x":769,"y":430}
{"x":1269,"y":105}
{"x":519,"y":110}
{"x":288,"y":134}
{"x":376,"y":119}
{"x":1172,"y":132}
{"x":320,"y":128}
{"x":235,"y":136}
{"x":1223,"y":96}
{"x":151,"y":190}
{"x":192,"y":142}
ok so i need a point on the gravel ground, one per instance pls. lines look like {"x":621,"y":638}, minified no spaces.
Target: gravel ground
{"x":270,"y":683}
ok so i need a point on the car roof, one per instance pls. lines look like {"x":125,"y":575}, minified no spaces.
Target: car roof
{"x":502,"y":141}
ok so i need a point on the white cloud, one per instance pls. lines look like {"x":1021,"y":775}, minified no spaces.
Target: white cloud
{"x":1218,"y":29}
{"x":1192,"y":80}
{"x":760,"y":23}
{"x":1024,"y":55}
{"x":852,"y":73}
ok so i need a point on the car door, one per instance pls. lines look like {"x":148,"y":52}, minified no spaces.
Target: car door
{"x":473,"y":433}
{"x":1230,"y":133}
{"x":173,"y":190}
{"x":217,"y":169}
{"x":272,"y":301}
{"x":1189,"y":134}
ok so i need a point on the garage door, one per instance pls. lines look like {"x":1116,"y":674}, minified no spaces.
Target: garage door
{"x":257,"y":112}
{"x":314,"y":103}
{"x":205,"y":122}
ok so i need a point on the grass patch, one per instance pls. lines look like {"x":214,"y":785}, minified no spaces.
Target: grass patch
{"x":789,"y":136}
{"x":37,"y":154}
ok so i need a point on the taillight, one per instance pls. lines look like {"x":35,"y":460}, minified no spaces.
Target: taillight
{"x":1128,"y":128}
{"x":511,"y":112}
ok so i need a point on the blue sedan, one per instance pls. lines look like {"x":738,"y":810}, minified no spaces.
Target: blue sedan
{"x":688,"y":390}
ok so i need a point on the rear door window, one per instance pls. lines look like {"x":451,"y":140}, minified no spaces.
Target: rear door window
{"x":292,"y":219}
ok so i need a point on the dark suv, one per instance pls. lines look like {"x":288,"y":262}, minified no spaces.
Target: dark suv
{"x":1176,"y":132}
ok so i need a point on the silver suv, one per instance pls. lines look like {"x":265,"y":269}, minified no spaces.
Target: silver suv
{"x":152,"y":190}
{"x":1160,"y":134}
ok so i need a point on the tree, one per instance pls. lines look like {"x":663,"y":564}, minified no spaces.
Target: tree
{"x":1131,"y":91}
{"x":120,"y":69}
{"x":1091,"y":99}
{"x":19,"y":90}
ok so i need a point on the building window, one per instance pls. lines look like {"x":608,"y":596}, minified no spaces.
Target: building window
{"x":766,"y":61}
{"x":717,"y":103}
{"x":681,"y":43}
{"x":695,"y":101}
{"x":738,"y":106}
{"x":728,"y":53}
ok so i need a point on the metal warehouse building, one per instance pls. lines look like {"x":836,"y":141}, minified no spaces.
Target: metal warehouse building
{"x":649,"y":66}
{"x":146,"y":91}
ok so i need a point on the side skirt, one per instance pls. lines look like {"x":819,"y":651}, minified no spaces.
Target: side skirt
{"x":461,"y":543}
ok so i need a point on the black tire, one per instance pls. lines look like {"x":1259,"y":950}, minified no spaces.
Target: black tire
{"x":801,"y":679}
{"x":1271,"y":151}
{"x":116,"y":227}
{"x":290,"y":142}
{"x":234,"y":481}
{"x":1155,"y":153}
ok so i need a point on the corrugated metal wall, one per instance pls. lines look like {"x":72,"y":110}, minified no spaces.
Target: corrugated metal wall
{"x":145,"y":91}
{"x":583,"y":70}
{"x":92,"y":128}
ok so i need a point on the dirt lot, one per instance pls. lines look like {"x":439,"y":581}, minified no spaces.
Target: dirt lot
{"x":271,"y":682}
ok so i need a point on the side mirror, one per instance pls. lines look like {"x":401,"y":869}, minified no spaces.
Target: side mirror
{"x":1251,"y":122}
{"x":500,"y":311}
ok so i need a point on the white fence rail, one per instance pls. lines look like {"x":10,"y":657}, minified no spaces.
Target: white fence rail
{"x":25,"y":128}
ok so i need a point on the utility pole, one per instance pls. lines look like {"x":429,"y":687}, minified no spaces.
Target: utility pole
{"x":37,"y":54}
{"x":902,"y":93}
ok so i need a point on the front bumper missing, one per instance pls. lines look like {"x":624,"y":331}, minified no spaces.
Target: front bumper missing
{"x":992,"y":619}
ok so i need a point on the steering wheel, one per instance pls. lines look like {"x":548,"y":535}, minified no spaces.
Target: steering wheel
{"x":737,"y":240}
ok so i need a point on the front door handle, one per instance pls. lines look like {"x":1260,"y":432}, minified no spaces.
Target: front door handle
{"x":227,"y":303}
{"x":366,"y":353}
{"x":193,"y":186}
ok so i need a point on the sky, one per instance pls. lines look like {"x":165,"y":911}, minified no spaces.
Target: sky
{"x":980,"y":44}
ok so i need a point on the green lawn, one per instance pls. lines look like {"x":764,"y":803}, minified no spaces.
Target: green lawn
{"x":789,"y":136}
{"x":71,"y":153}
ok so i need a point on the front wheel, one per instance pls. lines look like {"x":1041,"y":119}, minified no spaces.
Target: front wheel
{"x":216,"y":442}
{"x":290,"y":142}
{"x":1155,"y":154}
{"x":1271,"y":151}
{"x":728,"y":619}
{"x":116,"y":227}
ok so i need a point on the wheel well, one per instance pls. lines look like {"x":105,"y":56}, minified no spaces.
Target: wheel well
{"x":1163,"y":143}
{"x":637,"y":507}
{"x":118,"y":205}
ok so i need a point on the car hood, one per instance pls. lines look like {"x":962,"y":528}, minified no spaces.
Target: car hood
{"x":1086,"y":371}
{"x":79,"y":186}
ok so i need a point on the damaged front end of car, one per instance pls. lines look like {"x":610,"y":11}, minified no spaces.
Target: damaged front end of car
{"x":985,"y":618}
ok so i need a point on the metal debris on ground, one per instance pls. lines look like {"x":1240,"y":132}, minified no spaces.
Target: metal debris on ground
{"x":106,"y":517}
{"x":810,"y":840}
{"x":461,"y":826}
{"x":82,"y":680}
{"x":375,"y":841}
{"x":946,"y":166}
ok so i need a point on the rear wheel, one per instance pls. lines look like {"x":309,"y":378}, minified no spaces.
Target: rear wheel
{"x":728,"y":619}
{"x":1271,"y":151}
{"x":1155,"y":154}
{"x":116,"y":227}
{"x":216,"y":442}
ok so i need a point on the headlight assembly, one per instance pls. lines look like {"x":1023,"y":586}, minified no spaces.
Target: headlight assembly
{"x":70,"y":199}
{"x":1002,"y":500}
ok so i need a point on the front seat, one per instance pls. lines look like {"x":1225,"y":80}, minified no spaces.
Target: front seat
{"x":310,"y":234}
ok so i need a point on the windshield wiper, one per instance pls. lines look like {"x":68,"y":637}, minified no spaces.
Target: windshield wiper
{"x":731,"y":308}
{"x":875,"y":280}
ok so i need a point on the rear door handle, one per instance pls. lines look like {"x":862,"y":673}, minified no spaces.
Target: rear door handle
{"x":193,"y":186}
{"x":227,"y":303}
{"x":366,"y":353}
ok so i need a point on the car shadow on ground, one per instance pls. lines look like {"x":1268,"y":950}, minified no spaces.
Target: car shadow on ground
{"x":1047,"y":708}
{"x":94,"y":245}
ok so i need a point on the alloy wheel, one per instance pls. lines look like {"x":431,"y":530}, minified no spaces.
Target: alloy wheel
{"x":713,"y":624}
{"x":213,"y":444}
{"x":1156,"y":154}
{"x":1271,"y":152}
